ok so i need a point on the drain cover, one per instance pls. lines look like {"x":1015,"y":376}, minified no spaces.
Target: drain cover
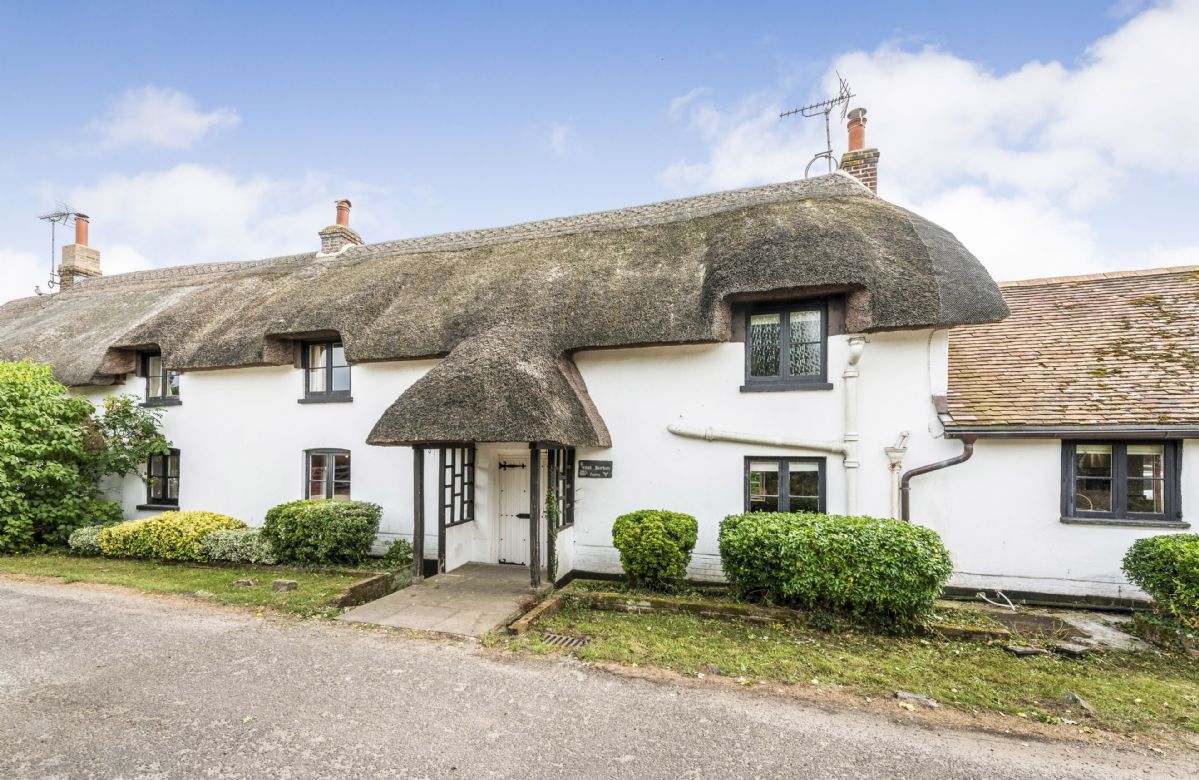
{"x":567,"y":642}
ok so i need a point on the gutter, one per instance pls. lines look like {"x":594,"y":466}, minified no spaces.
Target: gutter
{"x":905,"y":488}
{"x":1074,"y":431}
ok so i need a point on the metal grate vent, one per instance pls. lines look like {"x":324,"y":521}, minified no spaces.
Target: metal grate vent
{"x":563,"y":641}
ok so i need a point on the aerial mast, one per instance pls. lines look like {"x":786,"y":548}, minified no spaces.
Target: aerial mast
{"x":825,"y":108}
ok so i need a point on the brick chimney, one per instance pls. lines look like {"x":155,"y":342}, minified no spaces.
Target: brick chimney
{"x":79,"y":261}
{"x":337,"y":237}
{"x":858,"y":161}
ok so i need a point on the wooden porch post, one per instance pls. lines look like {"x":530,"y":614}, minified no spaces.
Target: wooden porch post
{"x":534,"y":515}
{"x":441,"y":484}
{"x":418,"y":512}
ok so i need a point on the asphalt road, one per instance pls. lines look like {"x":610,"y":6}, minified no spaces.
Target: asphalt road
{"x":101,"y":684}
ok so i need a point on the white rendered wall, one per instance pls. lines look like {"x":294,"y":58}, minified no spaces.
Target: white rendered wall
{"x":999,"y":514}
{"x":242,"y":436}
{"x":641,"y":391}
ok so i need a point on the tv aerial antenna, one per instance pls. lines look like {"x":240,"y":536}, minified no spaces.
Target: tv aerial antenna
{"x":63,"y":215}
{"x":826,"y":108}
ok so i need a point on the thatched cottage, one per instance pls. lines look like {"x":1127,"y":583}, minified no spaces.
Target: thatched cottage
{"x":795,"y":346}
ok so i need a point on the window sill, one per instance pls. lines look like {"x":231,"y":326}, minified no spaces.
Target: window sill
{"x":161,"y":402}
{"x":779,"y":388}
{"x":155,"y":507}
{"x":1125,"y":522}
{"x":325,"y":399}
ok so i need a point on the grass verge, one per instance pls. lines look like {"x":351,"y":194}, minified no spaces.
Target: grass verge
{"x":212,"y":583}
{"x":1132,"y":693}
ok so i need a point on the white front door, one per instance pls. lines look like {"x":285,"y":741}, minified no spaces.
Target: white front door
{"x":514,"y":510}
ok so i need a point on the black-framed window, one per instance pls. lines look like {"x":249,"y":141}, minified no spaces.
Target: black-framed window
{"x":326,"y":372}
{"x":162,"y":384}
{"x":162,"y":479}
{"x":560,"y":465}
{"x":784,"y":484}
{"x":327,"y":474}
{"x":786,"y":346}
{"x":1121,"y":480}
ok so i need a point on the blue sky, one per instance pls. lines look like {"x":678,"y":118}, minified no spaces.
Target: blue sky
{"x":1051,"y":137}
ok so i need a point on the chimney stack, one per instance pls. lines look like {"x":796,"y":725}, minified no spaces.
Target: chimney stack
{"x":858,"y":161}
{"x":339,"y":236}
{"x":79,"y":261}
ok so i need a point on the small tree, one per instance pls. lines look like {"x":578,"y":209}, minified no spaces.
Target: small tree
{"x":53,"y":454}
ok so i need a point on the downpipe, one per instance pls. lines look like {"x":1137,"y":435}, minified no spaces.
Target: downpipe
{"x":850,"y":375}
{"x":905,"y":488}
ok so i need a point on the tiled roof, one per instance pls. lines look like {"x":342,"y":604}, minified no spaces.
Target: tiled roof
{"x":1114,"y":349}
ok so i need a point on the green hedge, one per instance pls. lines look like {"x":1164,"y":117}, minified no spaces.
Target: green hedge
{"x":238,"y":545}
{"x":655,"y":546}
{"x":322,"y":531}
{"x":883,"y":572}
{"x":1167,"y":568}
{"x":172,"y":536}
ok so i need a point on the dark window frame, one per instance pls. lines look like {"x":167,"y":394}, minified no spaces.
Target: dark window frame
{"x":330,"y":474}
{"x":1171,"y":483}
{"x":162,"y":499}
{"x":456,"y":466}
{"x":784,"y":465}
{"x":784,"y":380}
{"x":328,"y":395}
{"x":165,"y":381}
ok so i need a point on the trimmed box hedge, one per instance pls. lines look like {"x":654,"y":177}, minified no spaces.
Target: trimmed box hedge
{"x":655,"y":546}
{"x":1167,"y":568}
{"x":322,"y":530}
{"x":172,"y":536}
{"x":886,"y":573}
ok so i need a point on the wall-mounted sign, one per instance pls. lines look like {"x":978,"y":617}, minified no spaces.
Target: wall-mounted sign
{"x":595,"y":469}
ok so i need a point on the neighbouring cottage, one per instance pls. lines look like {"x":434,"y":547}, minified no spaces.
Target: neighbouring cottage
{"x":1084,"y":409}
{"x":772,"y":348}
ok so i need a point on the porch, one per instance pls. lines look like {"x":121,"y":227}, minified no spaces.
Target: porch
{"x":491,"y":503}
{"x":469,"y":601}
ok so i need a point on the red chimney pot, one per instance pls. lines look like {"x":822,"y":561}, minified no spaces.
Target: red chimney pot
{"x":857,"y":129}
{"x":343,"y":213}
{"x":81,"y":229}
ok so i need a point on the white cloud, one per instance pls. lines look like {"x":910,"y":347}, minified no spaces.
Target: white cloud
{"x":1010,"y":161}
{"x":159,"y":117}
{"x":194,"y":214}
{"x":561,"y":139}
{"x":22,"y":272}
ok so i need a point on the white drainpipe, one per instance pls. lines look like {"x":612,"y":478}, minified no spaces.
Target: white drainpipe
{"x":715,"y":434}
{"x":895,"y":455}
{"x":850,"y":375}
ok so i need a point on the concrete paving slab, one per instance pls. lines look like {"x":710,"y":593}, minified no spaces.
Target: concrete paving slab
{"x":469,"y":601}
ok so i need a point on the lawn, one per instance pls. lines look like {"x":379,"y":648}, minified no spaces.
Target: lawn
{"x":1149,"y":692}
{"x":213,"y":583}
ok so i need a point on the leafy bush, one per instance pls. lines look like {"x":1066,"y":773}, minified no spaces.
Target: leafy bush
{"x":172,"y":536}
{"x":655,"y":546}
{"x":238,"y":545}
{"x":322,"y":530}
{"x":1167,"y":568}
{"x":398,"y":555}
{"x":884,"y":572}
{"x":86,"y":540}
{"x":53,"y":453}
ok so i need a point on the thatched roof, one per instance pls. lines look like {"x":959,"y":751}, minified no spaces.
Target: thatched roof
{"x":1116,"y":351}
{"x":506,"y":307}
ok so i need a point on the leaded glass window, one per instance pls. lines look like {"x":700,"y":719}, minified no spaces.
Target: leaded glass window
{"x":785,"y":345}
